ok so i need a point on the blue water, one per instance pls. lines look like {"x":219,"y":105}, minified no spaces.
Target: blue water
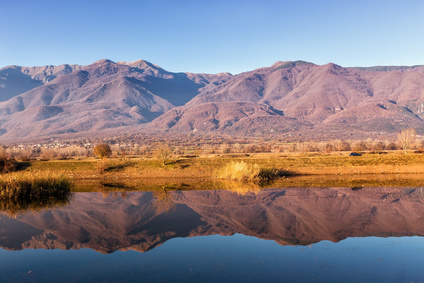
{"x":236,"y":258}
{"x":130,"y":238}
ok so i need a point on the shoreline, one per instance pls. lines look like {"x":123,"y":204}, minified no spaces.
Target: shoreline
{"x":306,"y":170}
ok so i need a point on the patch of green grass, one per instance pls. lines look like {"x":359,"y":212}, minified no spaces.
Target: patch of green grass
{"x":63,"y":165}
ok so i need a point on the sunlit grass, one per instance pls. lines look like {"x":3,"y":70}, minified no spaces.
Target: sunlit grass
{"x":242,"y":171}
{"x":32,"y":186}
{"x":146,"y":173}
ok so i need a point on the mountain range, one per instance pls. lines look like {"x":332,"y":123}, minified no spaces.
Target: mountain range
{"x":316,"y":101}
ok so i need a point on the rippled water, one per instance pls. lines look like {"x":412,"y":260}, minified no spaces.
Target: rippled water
{"x":275,"y":235}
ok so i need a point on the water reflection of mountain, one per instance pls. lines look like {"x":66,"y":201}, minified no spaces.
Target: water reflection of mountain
{"x":289,"y":216}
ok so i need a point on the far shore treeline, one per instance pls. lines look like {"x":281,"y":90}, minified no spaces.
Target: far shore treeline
{"x":195,"y":145}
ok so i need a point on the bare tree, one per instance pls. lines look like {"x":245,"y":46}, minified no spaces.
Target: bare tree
{"x":164,"y":151}
{"x":406,"y":138}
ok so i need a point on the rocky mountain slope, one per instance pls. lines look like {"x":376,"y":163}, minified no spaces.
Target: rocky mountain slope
{"x":140,"y":96}
{"x":327,"y":96}
{"x":15,"y":80}
{"x":103,"y":95}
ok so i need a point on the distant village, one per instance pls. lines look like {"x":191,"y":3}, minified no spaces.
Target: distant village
{"x":196,"y":144}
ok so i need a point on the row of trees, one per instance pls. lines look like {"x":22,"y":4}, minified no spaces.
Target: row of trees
{"x":406,"y":140}
{"x":163,"y":151}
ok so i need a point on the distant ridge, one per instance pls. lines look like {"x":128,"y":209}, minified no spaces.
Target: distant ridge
{"x":288,"y":97}
{"x":416,"y":68}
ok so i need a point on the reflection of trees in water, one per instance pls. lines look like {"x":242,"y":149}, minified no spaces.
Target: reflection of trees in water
{"x":163,"y":200}
{"x":114,"y":195}
{"x":14,"y":207}
{"x":105,"y":189}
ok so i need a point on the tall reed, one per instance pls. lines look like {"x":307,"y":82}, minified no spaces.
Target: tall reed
{"x":30,"y":186}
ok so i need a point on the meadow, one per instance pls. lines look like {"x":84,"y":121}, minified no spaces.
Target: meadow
{"x":40,"y":184}
{"x":291,"y":169}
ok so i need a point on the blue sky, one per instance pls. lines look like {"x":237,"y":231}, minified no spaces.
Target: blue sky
{"x":212,"y":36}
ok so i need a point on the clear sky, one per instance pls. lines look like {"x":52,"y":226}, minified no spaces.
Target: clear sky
{"x":211,"y":36}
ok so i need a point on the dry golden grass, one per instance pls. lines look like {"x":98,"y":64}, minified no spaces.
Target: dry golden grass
{"x":30,"y":185}
{"x":151,"y":173}
{"x":242,"y":171}
{"x":102,"y":166}
{"x":21,"y":192}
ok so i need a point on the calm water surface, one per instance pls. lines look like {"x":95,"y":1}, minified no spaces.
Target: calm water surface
{"x":278,"y":235}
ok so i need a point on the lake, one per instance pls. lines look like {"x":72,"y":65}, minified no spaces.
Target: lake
{"x":272,"y":235}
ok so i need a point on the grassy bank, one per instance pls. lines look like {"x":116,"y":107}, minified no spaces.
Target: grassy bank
{"x":305,"y":164}
{"x":26,"y":185}
{"x":93,"y":172}
{"x":26,"y":191}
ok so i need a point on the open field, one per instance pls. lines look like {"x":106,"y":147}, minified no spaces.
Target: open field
{"x":203,"y":166}
{"x":335,"y":169}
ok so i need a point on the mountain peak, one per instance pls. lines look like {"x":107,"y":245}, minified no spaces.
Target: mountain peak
{"x":14,"y":67}
{"x":333,"y":65}
{"x":143,"y":64}
{"x":289,"y":64}
{"x":137,"y":62}
{"x":103,"y":61}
